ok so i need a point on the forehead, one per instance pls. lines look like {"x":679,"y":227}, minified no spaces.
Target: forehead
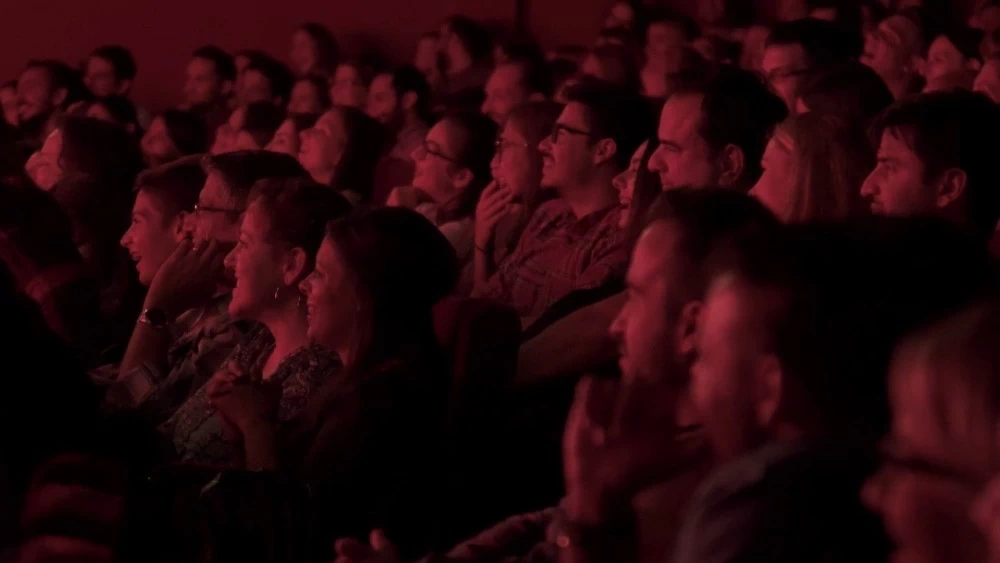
{"x":199,"y":65}
{"x":574,"y":115}
{"x":254,"y":76}
{"x":777,"y":56}
{"x":215,"y":191}
{"x":506,"y":74}
{"x":444,"y":134}
{"x":943,"y":46}
{"x":147,"y":204}
{"x":665,"y":30}
{"x":304,"y":87}
{"x":681,"y":116}
{"x":732,"y":310}
{"x":382,"y":83}
{"x":658,"y":252}
{"x":330,"y":120}
{"x":893,"y":145}
{"x":34,"y":75}
{"x":98,"y":64}
{"x":255,"y":219}
{"x":346,"y":71}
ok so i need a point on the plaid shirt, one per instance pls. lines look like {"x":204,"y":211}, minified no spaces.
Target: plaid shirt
{"x":558,"y":254}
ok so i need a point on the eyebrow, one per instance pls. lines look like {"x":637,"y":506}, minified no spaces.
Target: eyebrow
{"x":669,"y":143}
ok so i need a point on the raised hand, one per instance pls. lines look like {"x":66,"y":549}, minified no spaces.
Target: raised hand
{"x":495,"y":202}
{"x":188,"y":278}
{"x":380,"y":550}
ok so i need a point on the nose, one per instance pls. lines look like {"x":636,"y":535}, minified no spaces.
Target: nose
{"x":126,"y":239}
{"x":619,"y":181}
{"x":545,"y":147}
{"x":230,"y":261}
{"x":617,"y":328}
{"x":870,"y":186}
{"x":656,"y":161}
{"x":873,"y":491}
{"x":418,"y":153}
{"x":305,"y":286}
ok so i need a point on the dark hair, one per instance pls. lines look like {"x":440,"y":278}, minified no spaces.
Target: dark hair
{"x":852,"y":91}
{"x":62,"y":76}
{"x":261,"y":120}
{"x":322,"y":86}
{"x":619,"y":65}
{"x":408,"y":79}
{"x":251,"y":55}
{"x":186,"y":129}
{"x":240,"y":170}
{"x":478,"y":134}
{"x":175,"y":185}
{"x":845,"y":294}
{"x":101,"y":151}
{"x":560,"y":70}
{"x":824,"y":42}
{"x":327,"y":49}
{"x":365,"y":143}
{"x":954,"y":129}
{"x":401,"y":267}
{"x":474,"y":37}
{"x":298,"y":211}
{"x":688,"y":27}
{"x":615,"y":113}
{"x":120,"y":58}
{"x":968,"y":41}
{"x":849,"y":14}
{"x":738,"y":109}
{"x":122,"y":110}
{"x":279,"y":77}
{"x":225,"y":68}
{"x":303,"y":121}
{"x":535,"y":73}
{"x":366,"y":67}
{"x":708,"y":217}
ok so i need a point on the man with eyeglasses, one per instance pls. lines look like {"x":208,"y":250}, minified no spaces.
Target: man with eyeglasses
{"x":184,"y":332}
{"x":574,"y":241}
{"x":799,"y":49}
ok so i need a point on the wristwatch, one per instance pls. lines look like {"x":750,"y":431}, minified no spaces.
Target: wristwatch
{"x":153,"y":318}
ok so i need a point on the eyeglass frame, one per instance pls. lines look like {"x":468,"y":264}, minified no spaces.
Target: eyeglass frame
{"x":500,"y":143}
{"x":558,"y":127}
{"x":425,"y":147}
{"x":199,"y":208}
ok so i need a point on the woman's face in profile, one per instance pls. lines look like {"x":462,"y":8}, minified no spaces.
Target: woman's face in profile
{"x":332,"y":302}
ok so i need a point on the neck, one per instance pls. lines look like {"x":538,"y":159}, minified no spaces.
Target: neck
{"x":589,"y":197}
{"x":289,"y":327}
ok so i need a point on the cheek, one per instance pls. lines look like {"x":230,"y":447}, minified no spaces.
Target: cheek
{"x":927,"y":519}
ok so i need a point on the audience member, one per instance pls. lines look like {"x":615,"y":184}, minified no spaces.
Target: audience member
{"x":242,"y":61}
{"x":342,"y":151}
{"x":714,"y":133}
{"x":280,"y":233}
{"x":378,"y":274}
{"x":954,"y":51}
{"x":986,"y":16}
{"x":798,"y":50}
{"x":109,"y":71}
{"x":988,"y":80}
{"x":250,"y":127}
{"x":310,"y":94}
{"x":211,"y":77}
{"x":171,"y":135}
{"x":621,"y":15}
{"x":45,"y":89}
{"x":349,"y":87}
{"x":116,"y":109}
{"x":812,"y":168}
{"x":667,"y":37}
{"x":465,"y":51}
{"x":612,"y":64}
{"x":942,"y":448}
{"x":184,"y":332}
{"x":512,"y":83}
{"x":507,"y":204}
{"x":851,"y":91}
{"x":574,"y":242}
{"x":286,"y":138}
{"x":935,"y":157}
{"x":894,"y":51}
{"x":314,"y":51}
{"x":265,"y":80}
{"x":427,"y":59}
{"x":400,"y":100}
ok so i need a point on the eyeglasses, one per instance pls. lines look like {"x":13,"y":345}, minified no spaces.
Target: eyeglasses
{"x":199,"y":208}
{"x":560,"y":128}
{"x":426,"y":149}
{"x":778,"y":76}
{"x":503,"y":144}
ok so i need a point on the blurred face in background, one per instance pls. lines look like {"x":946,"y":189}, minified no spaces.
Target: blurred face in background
{"x":152,"y":236}
{"x":683,"y":158}
{"x":625,"y":184}
{"x":898,"y":187}
{"x":943,"y":58}
{"x":322,"y":145}
{"x":203,"y":85}
{"x":302,"y":54}
{"x":776,"y":186}
{"x":332,"y":299}
{"x":304,"y":98}
{"x":285,"y":140}
{"x":8,"y":102}
{"x":988,"y":80}
{"x":157,"y":146}
{"x":516,"y":164}
{"x":35,"y":95}
{"x":348,"y":88}
{"x":505,"y":90}
{"x":100,"y":78}
{"x":383,"y":102}
{"x":621,"y":15}
{"x":567,"y":154}
{"x":665,"y":44}
{"x":436,"y":172}
{"x":217,"y":216}
{"x":785,"y":68}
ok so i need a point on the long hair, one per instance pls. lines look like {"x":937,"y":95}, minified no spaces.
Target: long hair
{"x":829,"y":164}
{"x":366,"y":139}
{"x":647,"y":188}
{"x":401,"y":266}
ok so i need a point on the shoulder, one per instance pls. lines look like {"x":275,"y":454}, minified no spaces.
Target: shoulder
{"x":552,"y":210}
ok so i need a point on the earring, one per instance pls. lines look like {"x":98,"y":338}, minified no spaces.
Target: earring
{"x":276,"y":291}
{"x":298,"y":301}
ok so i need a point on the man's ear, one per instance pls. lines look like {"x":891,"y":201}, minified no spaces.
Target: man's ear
{"x":731,"y":163}
{"x":462,"y":178}
{"x":950,"y":187}
{"x":605,"y":150}
{"x":123,"y":87}
{"x":178,"y":226}
{"x":408,"y":101}
{"x":687,"y":331}
{"x":59,"y":97}
{"x":768,"y":388}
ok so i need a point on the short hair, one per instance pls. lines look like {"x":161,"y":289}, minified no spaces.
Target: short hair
{"x":851,"y":90}
{"x":737,"y":109}
{"x":298,"y":210}
{"x":474,"y":37}
{"x":688,"y":27}
{"x":366,"y":67}
{"x":824,"y":42}
{"x":175,"y":185}
{"x":843,"y":295}
{"x":121,"y":109}
{"x":408,"y":79}
{"x":535,"y":119}
{"x":363,"y":149}
{"x":101,"y":151}
{"x":186,"y":129}
{"x":120,"y":58}
{"x":615,"y":113}
{"x":707,"y":216}
{"x":261,"y":120}
{"x":225,"y":68}
{"x":966,"y":40}
{"x":240,"y":170}
{"x":62,"y":76}
{"x":327,"y":48}
{"x":535,"y":73}
{"x":278,"y":76}
{"x":954,"y":129}
{"x":475,"y":151}
{"x":322,"y":86}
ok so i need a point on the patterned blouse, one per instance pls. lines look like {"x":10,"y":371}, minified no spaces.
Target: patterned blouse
{"x":196,"y":430}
